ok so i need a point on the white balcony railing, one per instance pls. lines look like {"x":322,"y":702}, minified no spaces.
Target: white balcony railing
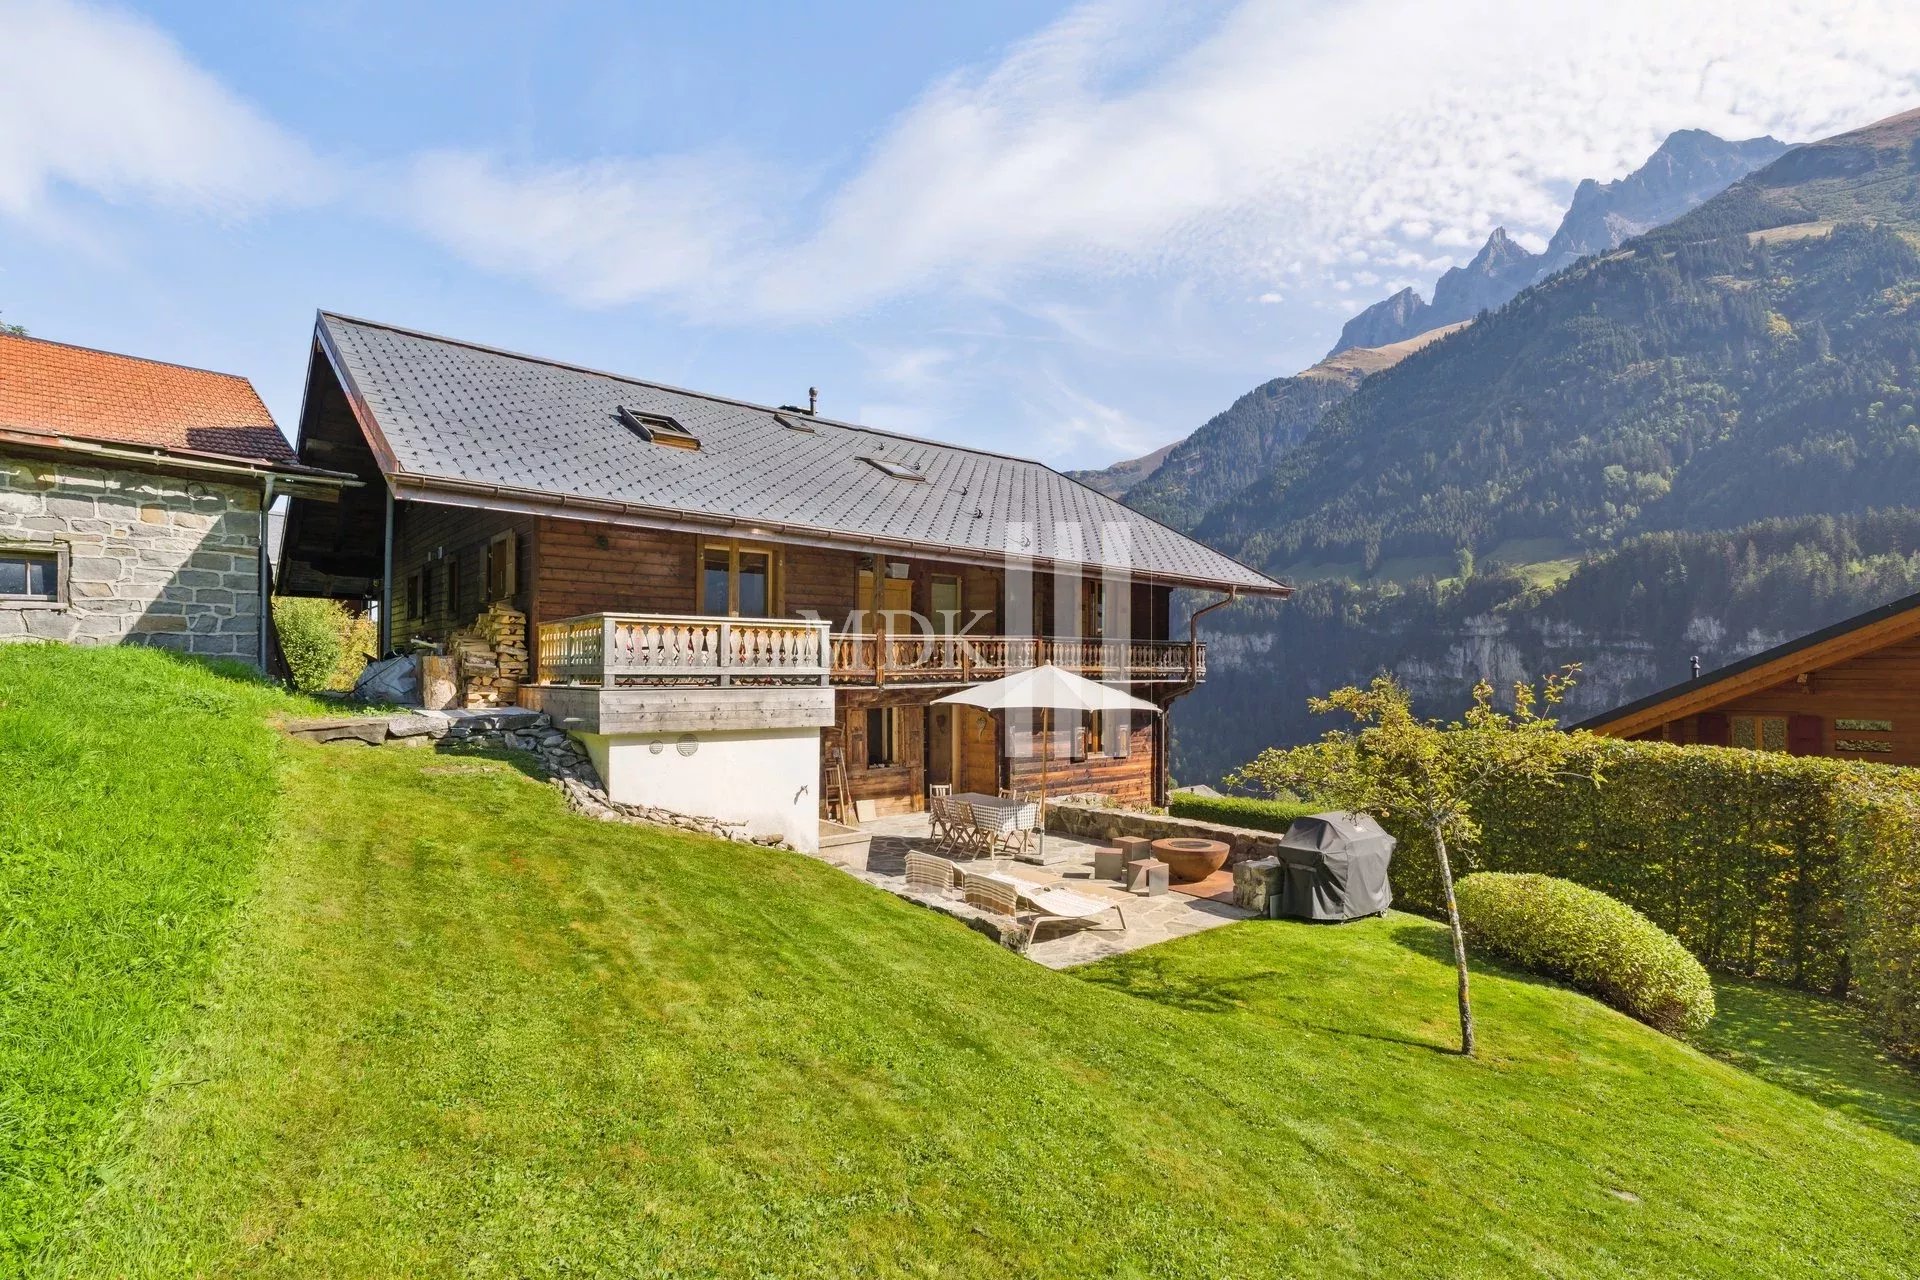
{"x":632,"y":649}
{"x":614,"y":649}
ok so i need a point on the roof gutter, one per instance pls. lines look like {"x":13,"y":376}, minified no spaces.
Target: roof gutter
{"x":297,"y":472}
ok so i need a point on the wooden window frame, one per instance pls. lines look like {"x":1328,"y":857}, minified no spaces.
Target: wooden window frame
{"x":735,"y":547}
{"x":54,"y":550}
{"x":413,"y":606}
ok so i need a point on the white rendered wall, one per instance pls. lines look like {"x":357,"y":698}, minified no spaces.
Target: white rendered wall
{"x":765,"y":778}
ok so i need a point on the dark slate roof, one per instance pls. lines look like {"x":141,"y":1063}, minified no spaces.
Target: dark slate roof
{"x":459,"y":412}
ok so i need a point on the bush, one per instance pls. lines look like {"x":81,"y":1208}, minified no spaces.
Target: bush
{"x":313,"y":636}
{"x":1597,"y":944}
{"x":1240,"y":811}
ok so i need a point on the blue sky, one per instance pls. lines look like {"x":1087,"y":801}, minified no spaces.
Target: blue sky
{"x":1069,"y":232}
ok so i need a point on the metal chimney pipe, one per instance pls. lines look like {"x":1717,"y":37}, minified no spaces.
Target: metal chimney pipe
{"x":1696,"y":666}
{"x":813,"y":400}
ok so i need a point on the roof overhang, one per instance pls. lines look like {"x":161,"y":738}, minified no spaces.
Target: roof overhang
{"x":1850,"y":638}
{"x":289,"y":477}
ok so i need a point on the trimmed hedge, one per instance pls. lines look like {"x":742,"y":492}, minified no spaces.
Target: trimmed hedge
{"x":1595,"y":943}
{"x":1240,"y":811}
{"x":1796,"y":869}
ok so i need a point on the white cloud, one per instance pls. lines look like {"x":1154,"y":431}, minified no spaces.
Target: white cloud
{"x":99,"y":100}
{"x":1127,"y":138}
{"x":1069,"y":422}
{"x":600,"y":233}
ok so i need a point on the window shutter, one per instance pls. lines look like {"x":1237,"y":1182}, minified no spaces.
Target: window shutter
{"x":1804,"y":734}
{"x":1715,"y":729}
{"x":1119,"y":737}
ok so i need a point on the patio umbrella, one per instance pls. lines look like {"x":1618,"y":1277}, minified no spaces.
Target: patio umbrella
{"x":1046,"y":689}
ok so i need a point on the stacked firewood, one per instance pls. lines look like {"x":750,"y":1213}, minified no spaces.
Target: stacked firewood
{"x":492,"y":656}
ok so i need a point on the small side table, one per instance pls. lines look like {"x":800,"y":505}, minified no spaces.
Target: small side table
{"x":1109,"y":864}
{"x":1146,"y":877}
{"x":1133,"y":848}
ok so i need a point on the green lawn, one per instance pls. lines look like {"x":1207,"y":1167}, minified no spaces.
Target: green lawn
{"x":454,"y":1030}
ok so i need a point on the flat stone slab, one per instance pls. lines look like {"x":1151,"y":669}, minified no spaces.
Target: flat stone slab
{"x":368,"y":729}
{"x":418,"y":726}
{"x":481,"y":719}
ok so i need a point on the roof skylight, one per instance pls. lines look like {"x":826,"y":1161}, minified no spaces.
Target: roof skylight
{"x":898,"y":470}
{"x":657,"y":428}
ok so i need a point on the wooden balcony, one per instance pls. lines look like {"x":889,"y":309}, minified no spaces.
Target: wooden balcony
{"x":627,"y":650}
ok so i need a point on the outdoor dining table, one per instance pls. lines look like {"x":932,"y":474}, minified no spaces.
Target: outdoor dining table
{"x":1000,"y":816}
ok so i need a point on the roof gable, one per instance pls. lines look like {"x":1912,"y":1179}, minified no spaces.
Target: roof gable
{"x":52,"y":389}
{"x":1847,"y":639}
{"x":455,"y":412}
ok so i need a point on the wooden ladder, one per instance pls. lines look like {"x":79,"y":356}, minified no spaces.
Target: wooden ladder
{"x":836,"y":783}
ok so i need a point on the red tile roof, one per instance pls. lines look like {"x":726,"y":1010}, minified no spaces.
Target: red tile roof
{"x":50,"y":388}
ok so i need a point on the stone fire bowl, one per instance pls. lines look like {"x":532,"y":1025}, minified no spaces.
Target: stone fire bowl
{"x":1190,"y":860}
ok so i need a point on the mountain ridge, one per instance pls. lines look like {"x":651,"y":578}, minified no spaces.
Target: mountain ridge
{"x":1689,"y":167}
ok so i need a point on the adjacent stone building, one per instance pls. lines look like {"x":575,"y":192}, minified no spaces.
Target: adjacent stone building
{"x":132,"y":501}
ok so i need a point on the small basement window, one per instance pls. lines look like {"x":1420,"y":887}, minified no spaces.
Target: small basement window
{"x":898,"y":470}
{"x":658,"y":428}
{"x":32,"y":575}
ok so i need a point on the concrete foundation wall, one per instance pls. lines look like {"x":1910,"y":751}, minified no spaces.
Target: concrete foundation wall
{"x":152,"y":559}
{"x":767,"y":779}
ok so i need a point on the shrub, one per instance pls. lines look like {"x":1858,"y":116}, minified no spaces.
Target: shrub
{"x":313,"y":636}
{"x":1240,"y":811}
{"x":1595,"y":943}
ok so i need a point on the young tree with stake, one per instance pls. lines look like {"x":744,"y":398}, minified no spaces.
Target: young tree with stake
{"x":1394,"y":764}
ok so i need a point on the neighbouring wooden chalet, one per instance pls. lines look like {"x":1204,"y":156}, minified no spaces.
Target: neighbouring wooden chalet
{"x":703,"y":579}
{"x":1851,"y":690}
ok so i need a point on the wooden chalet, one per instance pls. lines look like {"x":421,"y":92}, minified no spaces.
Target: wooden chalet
{"x":691,"y":564}
{"x":1851,"y":690}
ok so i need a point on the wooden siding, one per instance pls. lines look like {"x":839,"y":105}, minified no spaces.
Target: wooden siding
{"x":1127,"y":780}
{"x":435,"y":538}
{"x":1881,"y":685}
{"x":585,"y":567}
{"x":901,"y":788}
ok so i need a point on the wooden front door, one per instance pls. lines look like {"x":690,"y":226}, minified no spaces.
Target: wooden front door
{"x":940,"y":744}
{"x":976,"y":751}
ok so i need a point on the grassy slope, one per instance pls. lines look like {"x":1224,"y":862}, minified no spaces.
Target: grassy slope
{"x":138,"y":796}
{"x":1816,"y":1046}
{"x":462,"y":1032}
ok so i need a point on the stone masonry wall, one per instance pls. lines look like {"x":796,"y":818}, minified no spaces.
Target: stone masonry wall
{"x":153,"y":559}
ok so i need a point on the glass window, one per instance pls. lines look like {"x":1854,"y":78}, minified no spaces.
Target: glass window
{"x":716,"y":580}
{"x":755,"y":585}
{"x":736,"y":580}
{"x":880,"y":737}
{"x":29,"y":575}
{"x":946,"y":603}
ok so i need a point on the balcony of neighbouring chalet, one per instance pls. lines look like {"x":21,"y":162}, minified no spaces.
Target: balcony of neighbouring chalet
{"x":643,"y":650}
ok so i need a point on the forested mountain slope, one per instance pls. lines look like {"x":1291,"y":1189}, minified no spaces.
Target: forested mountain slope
{"x":1672,"y":384}
{"x":1633,"y":618}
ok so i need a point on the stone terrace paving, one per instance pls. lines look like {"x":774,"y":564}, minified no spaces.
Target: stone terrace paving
{"x":1059,"y":945}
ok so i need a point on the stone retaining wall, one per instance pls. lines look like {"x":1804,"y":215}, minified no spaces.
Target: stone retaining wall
{"x":1089,"y":821}
{"x":151,"y":559}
